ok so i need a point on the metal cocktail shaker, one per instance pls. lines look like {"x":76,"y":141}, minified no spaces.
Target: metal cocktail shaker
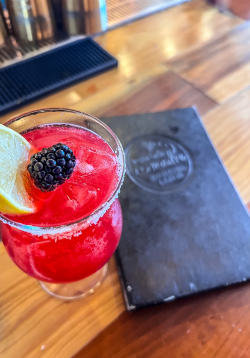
{"x":84,"y":16}
{"x":3,"y":31}
{"x":31,"y":20}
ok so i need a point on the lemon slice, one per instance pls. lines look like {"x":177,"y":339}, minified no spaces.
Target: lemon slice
{"x":14,"y":155}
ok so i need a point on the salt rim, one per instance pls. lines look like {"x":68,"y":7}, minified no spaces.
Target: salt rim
{"x":74,"y":229}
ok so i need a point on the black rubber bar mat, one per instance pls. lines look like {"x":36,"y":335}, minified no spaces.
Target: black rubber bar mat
{"x":30,"y":79}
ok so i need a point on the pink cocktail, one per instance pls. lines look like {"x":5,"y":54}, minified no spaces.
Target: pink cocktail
{"x":76,"y":228}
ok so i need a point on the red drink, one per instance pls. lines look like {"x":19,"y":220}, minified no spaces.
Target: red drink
{"x":68,"y":256}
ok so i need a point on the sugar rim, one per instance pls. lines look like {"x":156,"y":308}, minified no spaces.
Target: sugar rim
{"x":99,"y":212}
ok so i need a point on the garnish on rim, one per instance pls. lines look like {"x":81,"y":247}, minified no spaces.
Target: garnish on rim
{"x":14,"y":155}
{"x":52,"y":166}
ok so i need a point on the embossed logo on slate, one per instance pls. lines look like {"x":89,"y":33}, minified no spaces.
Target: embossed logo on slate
{"x":158,"y":164}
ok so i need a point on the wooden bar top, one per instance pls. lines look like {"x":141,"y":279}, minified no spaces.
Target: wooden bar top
{"x":191,"y":54}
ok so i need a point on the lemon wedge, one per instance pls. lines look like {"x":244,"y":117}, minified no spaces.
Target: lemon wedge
{"x":14,"y":155}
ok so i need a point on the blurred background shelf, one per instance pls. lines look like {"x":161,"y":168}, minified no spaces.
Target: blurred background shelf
{"x":122,"y":11}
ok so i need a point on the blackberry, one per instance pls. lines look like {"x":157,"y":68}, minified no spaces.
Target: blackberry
{"x":52,"y":166}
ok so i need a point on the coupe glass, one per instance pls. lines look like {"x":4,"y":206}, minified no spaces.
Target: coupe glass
{"x":27,"y":245}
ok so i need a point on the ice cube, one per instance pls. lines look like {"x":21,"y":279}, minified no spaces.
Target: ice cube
{"x":77,"y":198}
{"x":92,"y":165}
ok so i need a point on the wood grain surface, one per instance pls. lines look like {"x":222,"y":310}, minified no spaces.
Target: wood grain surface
{"x":152,"y":54}
{"x":220,"y":68}
{"x":211,"y":325}
{"x":167,"y":90}
{"x":33,"y":324}
{"x":229,"y":128}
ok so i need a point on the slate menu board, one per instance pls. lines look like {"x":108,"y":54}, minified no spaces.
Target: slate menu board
{"x":185,"y":228}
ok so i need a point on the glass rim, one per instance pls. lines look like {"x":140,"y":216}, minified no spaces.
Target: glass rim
{"x":43,"y":230}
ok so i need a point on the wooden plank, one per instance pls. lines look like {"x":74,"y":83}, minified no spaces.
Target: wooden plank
{"x":229,"y":128}
{"x":145,"y":43}
{"x":35,"y":325}
{"x":105,"y":99}
{"x":220,"y":68}
{"x":167,"y":91}
{"x":211,"y":325}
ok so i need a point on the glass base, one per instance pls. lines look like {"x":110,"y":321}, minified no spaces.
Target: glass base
{"x":78,"y":289}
